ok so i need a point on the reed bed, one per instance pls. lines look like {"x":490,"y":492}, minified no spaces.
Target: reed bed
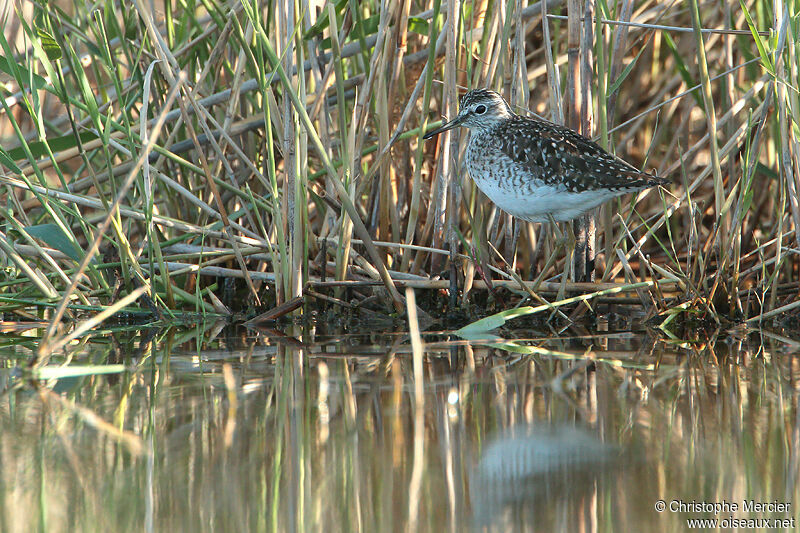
{"x":216,"y":157}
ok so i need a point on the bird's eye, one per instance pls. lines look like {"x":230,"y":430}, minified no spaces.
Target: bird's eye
{"x":481,"y":109}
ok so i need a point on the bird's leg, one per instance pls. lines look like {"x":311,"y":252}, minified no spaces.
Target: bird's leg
{"x":591,"y":244}
{"x":539,"y":240}
{"x":578,"y":227}
{"x":562,"y":237}
{"x":583,"y":261}
{"x":515,"y":240}
{"x":571,"y":241}
{"x":567,"y":239}
{"x":509,"y":241}
{"x":559,"y":235}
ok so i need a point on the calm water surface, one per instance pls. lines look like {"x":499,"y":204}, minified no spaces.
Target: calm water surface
{"x":303,"y":429}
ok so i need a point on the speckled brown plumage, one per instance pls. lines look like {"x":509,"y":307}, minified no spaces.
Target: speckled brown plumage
{"x":535,"y":169}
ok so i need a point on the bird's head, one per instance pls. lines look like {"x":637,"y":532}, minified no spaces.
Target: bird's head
{"x":479,"y":109}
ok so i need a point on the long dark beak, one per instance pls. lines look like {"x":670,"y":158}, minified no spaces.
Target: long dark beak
{"x":444,"y":127}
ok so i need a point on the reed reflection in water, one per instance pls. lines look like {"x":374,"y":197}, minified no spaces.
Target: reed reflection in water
{"x":303,"y":432}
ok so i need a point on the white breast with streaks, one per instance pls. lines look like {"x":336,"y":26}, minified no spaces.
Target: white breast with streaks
{"x":518,"y":190}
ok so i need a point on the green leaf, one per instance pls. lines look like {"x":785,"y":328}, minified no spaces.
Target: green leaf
{"x":495,"y":321}
{"x":481,"y":326}
{"x":55,"y":237}
{"x":38,"y":81}
{"x":605,"y":12}
{"x":516,"y":347}
{"x":57,"y":144}
{"x":766,"y":59}
{"x":369,"y":25}
{"x":683,"y":70}
{"x":323,"y":22}
{"x":491,"y":322}
{"x":761,"y":168}
{"x":419,"y":25}
{"x":49,"y":44}
{"x":8,"y":162}
{"x":71,"y":371}
{"x":625,"y":72}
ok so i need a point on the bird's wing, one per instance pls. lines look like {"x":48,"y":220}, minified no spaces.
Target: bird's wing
{"x":563,"y":157}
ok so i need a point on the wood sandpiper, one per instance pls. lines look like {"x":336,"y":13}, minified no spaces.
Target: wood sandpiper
{"x":537,"y":170}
